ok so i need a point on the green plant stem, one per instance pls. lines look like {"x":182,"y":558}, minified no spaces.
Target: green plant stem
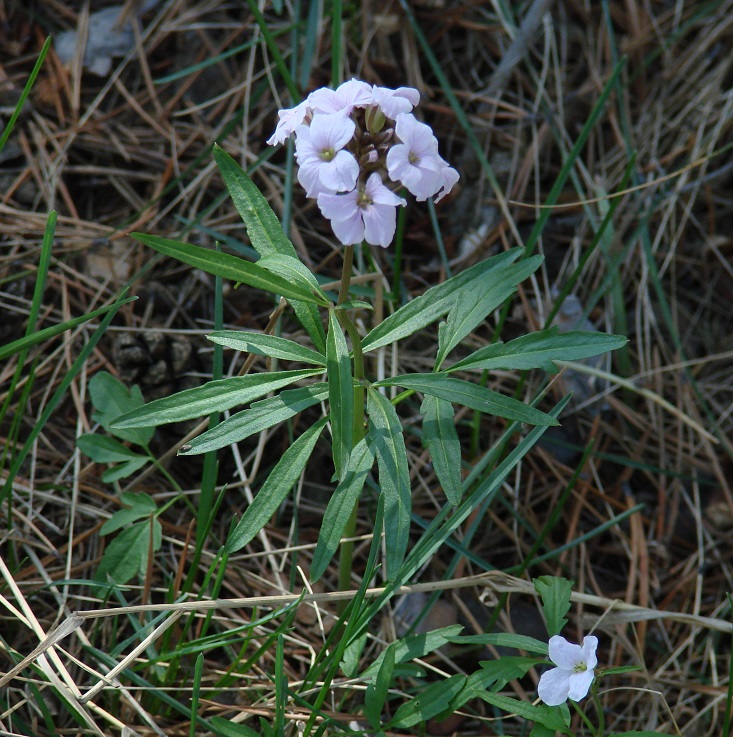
{"x":346,"y":555}
{"x":599,"y":708}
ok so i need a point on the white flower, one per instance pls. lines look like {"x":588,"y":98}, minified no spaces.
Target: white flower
{"x":394,"y":102}
{"x":288,"y":121}
{"x":368,"y":213}
{"x":343,"y":99}
{"x":323,"y":164}
{"x":574,"y":673}
{"x":415,"y":160}
{"x":448,"y":177}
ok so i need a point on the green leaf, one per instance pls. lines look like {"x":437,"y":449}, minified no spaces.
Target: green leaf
{"x":340,"y":394}
{"x":127,"y":555}
{"x":385,"y":434}
{"x":473,"y":307}
{"x":441,"y":439}
{"x":539,"y":730}
{"x":260,"y":416}
{"x":503,"y":639}
{"x":415,"y":646}
{"x":228,"y":267}
{"x":123,"y":470}
{"x":224,"y":728}
{"x":112,"y":399}
{"x":377,"y":690}
{"x":340,"y":506}
{"x":354,"y":304}
{"x":550,"y":716}
{"x":294,"y":272}
{"x":277,"y":486}
{"x":555,"y":593}
{"x":39,"y":336}
{"x":437,"y":301}
{"x":540,"y":350}
{"x":494,"y":675}
{"x":265,"y":233}
{"x":103,"y":449}
{"x":352,"y":655}
{"x":434,"y":699}
{"x":470,"y":395}
{"x":643,"y":733}
{"x":138,"y":506}
{"x":267,"y":345}
{"x":214,"y":396}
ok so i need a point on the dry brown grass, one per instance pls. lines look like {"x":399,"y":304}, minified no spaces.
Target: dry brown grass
{"x":128,"y":152}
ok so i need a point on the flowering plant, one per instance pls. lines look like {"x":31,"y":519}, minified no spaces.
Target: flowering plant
{"x":354,"y":146}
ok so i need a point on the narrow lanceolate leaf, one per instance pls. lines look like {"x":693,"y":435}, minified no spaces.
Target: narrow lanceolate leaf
{"x":267,"y":345}
{"x":263,"y":227}
{"x":376,"y":692}
{"x":549,"y":716}
{"x":540,"y":350}
{"x":265,"y":233}
{"x":385,"y":434}
{"x":260,"y":416}
{"x":438,"y":300}
{"x":555,"y":592}
{"x":340,"y":507}
{"x":473,"y":307}
{"x":294,"y":271}
{"x":340,"y":393}
{"x":278,"y":484}
{"x":470,"y":395}
{"x":229,"y":267}
{"x":434,"y":699}
{"x":439,"y":436}
{"x":215,"y":396}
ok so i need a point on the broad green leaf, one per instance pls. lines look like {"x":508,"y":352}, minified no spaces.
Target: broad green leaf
{"x":39,"y":336}
{"x":473,"y":307}
{"x":434,"y":699}
{"x":277,"y":486}
{"x":127,"y":555}
{"x":377,"y":690}
{"x":340,"y":506}
{"x":340,"y":394}
{"x":293,"y":271}
{"x":261,"y":415}
{"x":112,"y":399}
{"x":385,"y":434}
{"x":440,"y":437}
{"x":266,"y":234}
{"x":214,"y":396}
{"x":267,"y":345}
{"x":470,"y":395}
{"x":103,"y":449}
{"x":494,"y":675}
{"x":352,"y":655}
{"x":225,"y":728}
{"x":555,"y":593}
{"x":539,"y":730}
{"x":437,"y":301}
{"x":540,"y":350}
{"x":547,"y":715}
{"x":228,"y":267}
{"x":123,"y":470}
{"x":138,"y":506}
{"x":415,"y":646}
{"x":503,"y":639}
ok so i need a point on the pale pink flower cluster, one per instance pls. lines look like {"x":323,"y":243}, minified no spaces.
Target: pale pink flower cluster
{"x":355,"y":145}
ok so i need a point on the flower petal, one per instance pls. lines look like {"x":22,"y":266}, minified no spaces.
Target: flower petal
{"x":590,"y":645}
{"x":554,"y":686}
{"x":340,"y":173}
{"x":380,"y":223}
{"x":578,"y":684}
{"x":563,"y":653}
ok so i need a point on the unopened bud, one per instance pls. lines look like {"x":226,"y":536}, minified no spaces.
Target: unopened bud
{"x":375,"y":119}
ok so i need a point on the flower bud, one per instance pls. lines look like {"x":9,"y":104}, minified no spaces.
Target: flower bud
{"x":375,"y":119}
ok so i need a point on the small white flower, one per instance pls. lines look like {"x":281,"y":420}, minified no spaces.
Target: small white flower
{"x":288,"y":121}
{"x":323,"y":164}
{"x":368,"y":213}
{"x":343,"y":99}
{"x":395,"y":102}
{"x":415,"y":160}
{"x":574,"y":673}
